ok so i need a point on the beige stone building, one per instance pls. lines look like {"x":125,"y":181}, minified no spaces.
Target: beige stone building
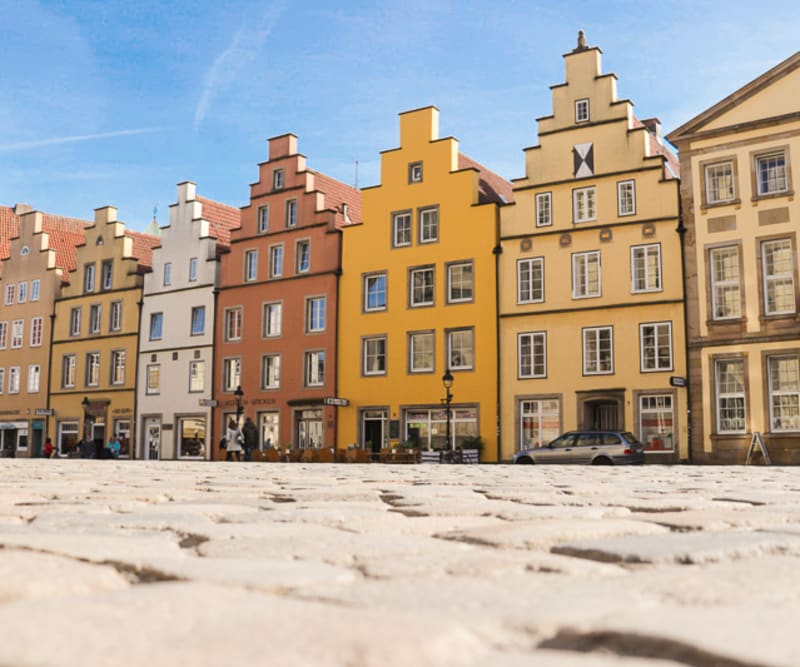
{"x":742,"y":217}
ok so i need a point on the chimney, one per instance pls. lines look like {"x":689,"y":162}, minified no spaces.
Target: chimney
{"x":653,"y":125}
{"x":19,"y":209}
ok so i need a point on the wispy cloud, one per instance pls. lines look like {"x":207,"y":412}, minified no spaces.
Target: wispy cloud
{"x":244,"y":47}
{"x":52,"y":141}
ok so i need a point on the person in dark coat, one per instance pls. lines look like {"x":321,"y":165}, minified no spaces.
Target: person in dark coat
{"x":250,"y":433}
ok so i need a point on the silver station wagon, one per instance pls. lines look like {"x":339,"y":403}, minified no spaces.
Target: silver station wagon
{"x":590,"y":447}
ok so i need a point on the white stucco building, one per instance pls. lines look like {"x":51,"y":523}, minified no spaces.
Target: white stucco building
{"x":177,"y":329}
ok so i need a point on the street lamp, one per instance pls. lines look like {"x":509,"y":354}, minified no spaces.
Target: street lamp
{"x":85,"y":406}
{"x":239,"y":407}
{"x":447,"y":381}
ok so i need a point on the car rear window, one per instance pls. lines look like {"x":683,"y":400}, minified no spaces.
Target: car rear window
{"x":608,"y":439}
{"x":631,"y":438}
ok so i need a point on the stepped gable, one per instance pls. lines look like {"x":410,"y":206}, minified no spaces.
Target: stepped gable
{"x":672,"y":166}
{"x":143,"y":245}
{"x":336,"y":194}
{"x":221,"y":220}
{"x":65,"y":235}
{"x":492,"y":188}
{"x":9,"y":228}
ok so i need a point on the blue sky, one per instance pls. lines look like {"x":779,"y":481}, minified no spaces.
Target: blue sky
{"x":116,"y":101}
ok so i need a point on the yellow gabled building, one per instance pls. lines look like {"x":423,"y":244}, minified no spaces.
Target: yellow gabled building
{"x":418,"y":298}
{"x":95,"y":337}
{"x":591,"y":306}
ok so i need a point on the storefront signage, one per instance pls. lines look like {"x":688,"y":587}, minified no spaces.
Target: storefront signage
{"x":121,"y":411}
{"x":676,"y":381}
{"x":337,"y":401}
{"x":44,"y":412}
{"x":208,"y":403}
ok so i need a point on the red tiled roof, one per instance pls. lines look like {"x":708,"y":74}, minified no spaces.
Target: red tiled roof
{"x":143,"y":245}
{"x":491,"y":187}
{"x":222,"y":219}
{"x":9,"y":228}
{"x":337,"y":193}
{"x":672,"y":167}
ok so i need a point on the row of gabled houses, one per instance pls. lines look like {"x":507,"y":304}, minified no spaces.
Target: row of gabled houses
{"x":600,"y":290}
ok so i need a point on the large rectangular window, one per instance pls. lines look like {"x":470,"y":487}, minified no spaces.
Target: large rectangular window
{"x":231,"y":373}
{"x":2,"y":380}
{"x":725,"y":283}
{"x":771,"y":173}
{"x":777,"y":260}
{"x":75,"y":322}
{"x":315,"y":314}
{"x":375,"y":292}
{"x":34,"y":372}
{"x":421,"y":351}
{"x":730,"y":398}
{"x":167,"y":274}
{"x":291,"y":213}
{"x":37,"y":326}
{"x":156,"y":325}
{"x":107,"y":275}
{"x":584,"y":204}
{"x":115,"y":316}
{"x":315,"y":368}
{"x":656,"y":422}
{"x":720,"y":183}
{"x":35,"y":289}
{"x":88,"y":278}
{"x":598,"y":351}
{"x":198,"y":321}
{"x":93,"y":369}
{"x":429,"y":225}
{"x":95,"y":318}
{"x":233,"y":324}
{"x":530,"y":280}
{"x":586,"y":274}
{"x":626,"y":198}
{"x":460,"y":282}
{"x":646,"y":268}
{"x":421,"y":283}
{"x":460,"y":349}
{"x":655,"y":343}
{"x":784,"y":393}
{"x":11,"y":290}
{"x":303,"y":256}
{"x":153,"y":382}
{"x":532,"y":354}
{"x":17,"y":333}
{"x":544,"y":209}
{"x":250,"y":265}
{"x":13,"y":379}
{"x":540,"y":422}
{"x":69,"y":365}
{"x":271,"y":371}
{"x":275,"y":261}
{"x":263,"y":219}
{"x":401,"y":229}
{"x":193,"y":269}
{"x":22,"y":292}
{"x":273,"y":315}
{"x":197,"y":376}
{"x":118,"y":367}
{"x":3,"y":335}
{"x":373,"y":355}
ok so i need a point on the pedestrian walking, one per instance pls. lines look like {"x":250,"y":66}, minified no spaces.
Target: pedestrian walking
{"x":235,"y":439}
{"x":48,"y":451}
{"x":250,"y":433}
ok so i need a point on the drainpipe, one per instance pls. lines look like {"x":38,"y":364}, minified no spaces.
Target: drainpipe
{"x":497,"y":251}
{"x":136,"y":384}
{"x":681,"y":229}
{"x":335,"y":409}
{"x":211,"y":439}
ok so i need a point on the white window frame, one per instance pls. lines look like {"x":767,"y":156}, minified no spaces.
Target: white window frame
{"x":35,"y":289}
{"x":654,"y":408}
{"x":641,"y":262}
{"x":422,"y":289}
{"x":118,"y":361}
{"x":37,"y":331}
{"x":713,"y":175}
{"x":11,"y":289}
{"x":314,"y":368}
{"x":262,"y":222}
{"x":156,"y":329}
{"x":723,"y":285}
{"x":777,"y":178}
{"x":528,"y":291}
{"x":584,"y":204}
{"x":22,"y":292}
{"x":278,"y":179}
{"x":303,"y":256}
{"x":75,"y":321}
{"x":95,"y":318}
{"x":192,"y":269}
{"x":374,"y":355}
{"x":69,"y":371}
{"x":93,"y":364}
{"x":3,"y":335}
{"x":2,"y":380}
{"x":271,"y":371}
{"x":784,"y":398}
{"x":380,"y":293}
{"x":17,"y":334}
{"x":402,"y":229}
{"x":593,"y":363}
{"x":14,"y":381}
{"x":454,"y":283}
{"x":544,"y":209}
{"x":539,"y":422}
{"x":276,"y":260}
{"x":272,"y":319}
{"x":415,"y":338}
{"x":34,"y":376}
{"x":582,"y":110}
{"x":626,"y":197}
{"x":231,"y":373}
{"x":197,"y":312}
{"x":197,"y":375}
{"x":650,"y":352}
{"x":291,"y":213}
{"x":106,"y":275}
{"x":739,"y":396}
{"x":233,"y":322}
{"x":532,"y":354}
{"x":115,"y":316}
{"x":461,"y":342}
{"x":776,"y":279}
{"x":428,"y":224}
{"x":88,"y":278}
{"x":250,"y":265}
{"x":167,"y":281}
{"x":152,"y":384}
{"x":583,"y":263}
{"x":316,"y":314}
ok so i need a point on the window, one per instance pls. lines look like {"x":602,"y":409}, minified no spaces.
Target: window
{"x":94,"y":318}
{"x":401,"y":229}
{"x":35,"y":286}
{"x":273,"y":315}
{"x":375,"y":292}
{"x":118,"y":367}
{"x":106,"y":275}
{"x":655,"y":343}
{"x":156,"y":325}
{"x":315,"y":368}
{"x":13,"y":380}
{"x":198,"y":320}
{"x":277,"y":179}
{"x":69,"y":363}
{"x":729,"y":376}
{"x":2,"y":379}
{"x":231,"y":373}
{"x":584,"y":205}
{"x":269,"y":427}
{"x":233,"y":324}
{"x":275,"y":261}
{"x":429,"y":225}
{"x":771,"y":173}
{"x":250,"y":265}
{"x":263,"y":219}
{"x":530,"y":280}
{"x":720,"y":183}
{"x":115,"y":316}
{"x":271,"y":371}
{"x":544,"y":209}
{"x":3,"y":335}
{"x":153,"y":385}
{"x":75,"y":322}
{"x":303,"y":256}
{"x":10,"y":291}
{"x":598,"y":351}
{"x":646,"y":268}
{"x":586,"y":274}
{"x":193,"y":269}
{"x":88,"y":278}
{"x":22,"y":292}
{"x":777,"y":260}
{"x":459,"y":282}
{"x":581,"y":111}
{"x":421,"y":352}
{"x":167,"y":274}
{"x":532,"y":355}
{"x":93,"y":369}
{"x":291,"y":213}
{"x":428,"y":427}
{"x":197,"y":376}
{"x":540,"y":422}
{"x":656,"y":422}
{"x":17,"y":333}
{"x":315,"y":314}
{"x":415,"y":172}
{"x":68,"y":436}
{"x":422,"y":287}
{"x":373,"y":355}
{"x":37,"y":325}
{"x":725,"y":288}
{"x":34,"y":372}
{"x":784,"y":393}
{"x":460,"y":348}
{"x":626,"y":198}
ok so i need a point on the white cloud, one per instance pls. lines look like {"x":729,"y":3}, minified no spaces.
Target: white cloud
{"x":243,"y":49}
{"x":37,"y":143}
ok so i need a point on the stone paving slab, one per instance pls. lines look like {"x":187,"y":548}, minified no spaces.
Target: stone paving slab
{"x":131,"y":563}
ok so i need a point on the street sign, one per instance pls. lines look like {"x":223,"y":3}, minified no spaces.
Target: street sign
{"x":676,"y":381}
{"x":44,"y":412}
{"x":337,"y":401}
{"x":208,"y":403}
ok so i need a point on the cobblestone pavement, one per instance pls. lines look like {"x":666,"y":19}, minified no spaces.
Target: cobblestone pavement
{"x":145,"y":563}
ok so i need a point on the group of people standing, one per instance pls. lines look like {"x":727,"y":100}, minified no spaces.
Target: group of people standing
{"x":238,"y":441}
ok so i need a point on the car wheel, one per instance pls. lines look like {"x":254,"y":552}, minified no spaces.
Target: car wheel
{"x":601,"y":461}
{"x":525,"y":460}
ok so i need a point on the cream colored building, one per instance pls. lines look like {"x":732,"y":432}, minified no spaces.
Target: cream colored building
{"x":591,"y":290}
{"x":742,"y":218}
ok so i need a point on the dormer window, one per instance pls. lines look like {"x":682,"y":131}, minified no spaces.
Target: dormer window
{"x":582,"y":110}
{"x":415,"y":172}
{"x":277,"y":179}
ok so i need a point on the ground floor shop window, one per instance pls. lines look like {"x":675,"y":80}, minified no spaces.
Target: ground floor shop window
{"x":374,"y":429}
{"x":310,"y":430}
{"x":784,"y":393}
{"x":121,"y":428}
{"x":67,"y":436}
{"x":540,"y":422}
{"x":269,"y":428}
{"x":192,"y":437}
{"x":656,"y":422}
{"x":428,"y":427}
{"x":151,"y":447}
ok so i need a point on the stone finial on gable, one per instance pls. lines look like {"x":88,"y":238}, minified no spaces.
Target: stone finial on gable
{"x":581,"y":42}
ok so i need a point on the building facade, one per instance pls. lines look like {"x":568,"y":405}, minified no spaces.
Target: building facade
{"x":742,"y":218}
{"x":176,"y":357}
{"x":591,"y":289}
{"x":35,"y":258}
{"x":95,"y":337}
{"x":276,"y":323}
{"x":418,"y":298}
